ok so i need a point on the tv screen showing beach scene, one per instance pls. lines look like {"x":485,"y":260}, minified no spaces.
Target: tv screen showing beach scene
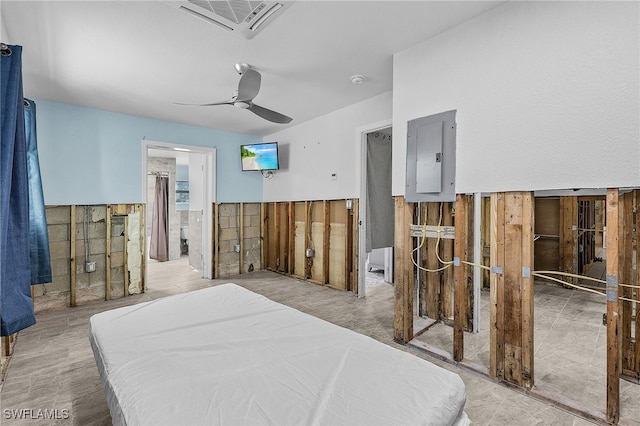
{"x":259,"y":156}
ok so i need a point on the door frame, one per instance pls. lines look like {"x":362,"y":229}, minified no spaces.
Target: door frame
{"x":361,"y":148}
{"x":209,"y":196}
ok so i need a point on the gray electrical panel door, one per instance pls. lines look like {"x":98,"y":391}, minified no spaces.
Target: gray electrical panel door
{"x":431,"y":156}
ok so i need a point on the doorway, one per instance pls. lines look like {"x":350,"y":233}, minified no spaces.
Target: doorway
{"x":190,"y":170}
{"x":376,"y":206}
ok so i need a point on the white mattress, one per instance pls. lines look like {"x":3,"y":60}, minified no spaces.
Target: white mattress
{"x":225,"y":355}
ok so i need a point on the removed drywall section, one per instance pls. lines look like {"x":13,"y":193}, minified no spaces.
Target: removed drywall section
{"x":86,"y":239}
{"x":546,"y":94}
{"x":238,"y":243}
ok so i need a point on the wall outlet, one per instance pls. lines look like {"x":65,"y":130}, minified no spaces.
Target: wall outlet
{"x":236,"y":248}
{"x":90,"y":266}
{"x":310,"y":252}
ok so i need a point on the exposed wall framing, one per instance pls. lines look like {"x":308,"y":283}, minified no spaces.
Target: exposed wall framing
{"x":629,"y":273}
{"x":236,"y":238}
{"x":115,"y":237}
{"x":512,"y":224}
{"x":312,"y":240}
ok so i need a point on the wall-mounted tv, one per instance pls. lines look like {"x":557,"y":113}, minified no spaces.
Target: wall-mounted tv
{"x":259,"y":156}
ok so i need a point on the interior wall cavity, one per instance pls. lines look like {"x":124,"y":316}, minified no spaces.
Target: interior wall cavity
{"x":546,"y":93}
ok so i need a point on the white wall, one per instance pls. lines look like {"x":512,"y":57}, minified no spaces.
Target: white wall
{"x":547,"y":95}
{"x":312,"y":151}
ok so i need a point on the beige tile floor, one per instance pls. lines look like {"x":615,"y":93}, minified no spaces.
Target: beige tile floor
{"x":53,"y":367}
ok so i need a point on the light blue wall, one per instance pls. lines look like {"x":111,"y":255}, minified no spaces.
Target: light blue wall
{"x":91,"y":156}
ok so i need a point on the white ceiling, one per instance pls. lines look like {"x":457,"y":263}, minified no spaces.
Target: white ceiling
{"x":139,"y":57}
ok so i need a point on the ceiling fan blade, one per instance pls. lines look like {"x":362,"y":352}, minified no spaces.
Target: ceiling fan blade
{"x":249,"y":85}
{"x":267,"y":114}
{"x":215,"y":103}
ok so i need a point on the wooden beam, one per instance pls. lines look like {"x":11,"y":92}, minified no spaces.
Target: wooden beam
{"x":291,"y":239}
{"x":125,"y":250}
{"x":142,"y":232}
{"x":423,"y":290}
{"x":433,"y":278}
{"x":326,"y":233}
{"x":215,"y":242}
{"x":107,"y":284}
{"x":528,"y":218}
{"x":276,"y":220}
{"x":446,"y":283}
{"x":496,"y":338}
{"x":636,"y":244}
{"x":569,"y":235}
{"x":264,"y":235}
{"x":308,"y":220}
{"x":348,"y":262}
{"x":241,"y":237}
{"x":355,"y":244}
{"x":72,"y":232}
{"x":460,"y":275}
{"x":403,"y":277}
{"x":613,"y":366}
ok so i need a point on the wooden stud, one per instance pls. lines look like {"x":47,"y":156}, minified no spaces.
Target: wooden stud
{"x":433,"y":278}
{"x":403,"y":279}
{"x":460,"y":276}
{"x":355,"y":244}
{"x":423,"y":290}
{"x":264,"y":235}
{"x":468,"y":235}
{"x":528,"y":226}
{"x":613,"y":366}
{"x":125,"y":273}
{"x":348,"y":248}
{"x":72,"y":231}
{"x":291,"y":239}
{"x":107,"y":284}
{"x":276,"y":234}
{"x":446,"y":285}
{"x":569,"y":235}
{"x":326,"y":219}
{"x":308,"y":219}
{"x":636,"y":281}
{"x":241,"y":237}
{"x":624,"y":274}
{"x":138,"y":208}
{"x":496,"y":354}
{"x":216,"y":241}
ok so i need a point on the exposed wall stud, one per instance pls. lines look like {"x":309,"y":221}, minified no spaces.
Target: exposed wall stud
{"x":613,"y":366}
{"x":72,"y":232}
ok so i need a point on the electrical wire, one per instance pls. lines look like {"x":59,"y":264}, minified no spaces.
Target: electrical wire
{"x":537,"y":274}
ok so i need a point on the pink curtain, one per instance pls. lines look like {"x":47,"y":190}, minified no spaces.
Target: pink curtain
{"x":159,"y":247}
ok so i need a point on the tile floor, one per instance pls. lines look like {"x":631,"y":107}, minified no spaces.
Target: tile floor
{"x":53,"y":368}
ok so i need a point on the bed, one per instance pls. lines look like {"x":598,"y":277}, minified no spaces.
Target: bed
{"x":226,"y":355}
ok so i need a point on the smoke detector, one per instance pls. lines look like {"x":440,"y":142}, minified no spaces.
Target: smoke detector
{"x":240,"y":17}
{"x":357,"y":79}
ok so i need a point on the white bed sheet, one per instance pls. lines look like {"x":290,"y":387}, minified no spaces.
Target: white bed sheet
{"x":226,"y":355}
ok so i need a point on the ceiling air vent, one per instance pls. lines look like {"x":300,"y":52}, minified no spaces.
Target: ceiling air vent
{"x":241,"y":17}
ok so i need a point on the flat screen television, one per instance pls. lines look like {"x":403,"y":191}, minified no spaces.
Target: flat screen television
{"x":259,"y":156}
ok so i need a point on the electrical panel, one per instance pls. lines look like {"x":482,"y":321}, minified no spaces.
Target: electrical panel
{"x":431,"y":157}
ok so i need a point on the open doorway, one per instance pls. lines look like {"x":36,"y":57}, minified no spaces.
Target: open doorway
{"x":190,"y":195}
{"x":376,"y":232}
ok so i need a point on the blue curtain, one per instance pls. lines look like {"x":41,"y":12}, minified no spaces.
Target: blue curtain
{"x":40,"y":256}
{"x":16,"y":306}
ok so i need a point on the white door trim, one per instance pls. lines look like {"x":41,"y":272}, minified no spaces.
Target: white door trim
{"x":361,"y":148}
{"x":209,"y":186}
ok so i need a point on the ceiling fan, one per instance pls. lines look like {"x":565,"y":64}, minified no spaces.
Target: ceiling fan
{"x":248,"y":88}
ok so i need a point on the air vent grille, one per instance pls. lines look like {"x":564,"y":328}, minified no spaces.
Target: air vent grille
{"x":241,"y":17}
{"x":236,"y":11}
